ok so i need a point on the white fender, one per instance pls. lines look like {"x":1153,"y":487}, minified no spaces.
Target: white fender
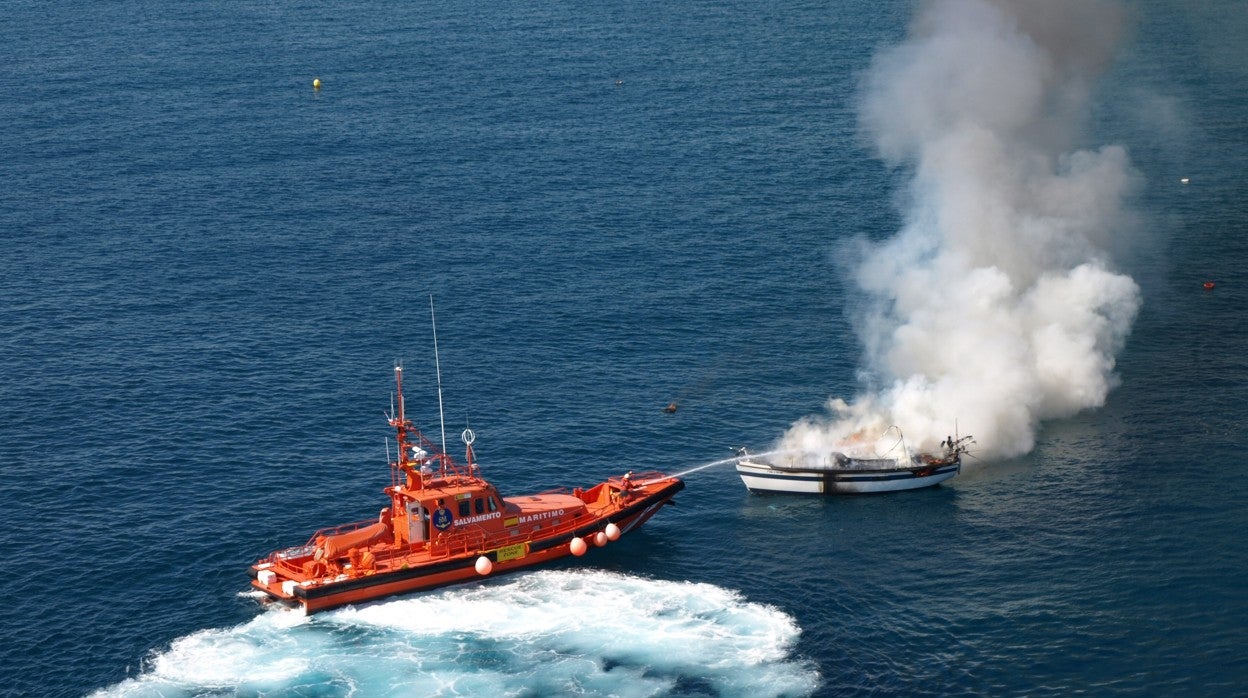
{"x":484,"y":566}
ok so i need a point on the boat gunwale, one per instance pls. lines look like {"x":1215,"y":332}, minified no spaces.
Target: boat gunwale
{"x":305,"y":591}
{"x":895,"y":466}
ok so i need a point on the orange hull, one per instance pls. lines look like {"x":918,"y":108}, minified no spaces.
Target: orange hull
{"x":444,"y":524}
{"x":286,"y":578}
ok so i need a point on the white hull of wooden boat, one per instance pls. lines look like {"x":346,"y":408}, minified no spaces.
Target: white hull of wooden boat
{"x":760,"y":477}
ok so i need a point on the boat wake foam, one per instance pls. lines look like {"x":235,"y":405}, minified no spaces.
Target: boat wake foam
{"x":545,"y":633}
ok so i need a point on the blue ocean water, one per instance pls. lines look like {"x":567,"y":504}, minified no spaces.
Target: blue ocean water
{"x":209,"y":268}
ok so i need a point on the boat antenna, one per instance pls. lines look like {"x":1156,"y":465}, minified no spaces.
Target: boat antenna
{"x":399,"y":422}
{"x":438,"y":366}
{"x":468,"y":436}
{"x":394,"y":464}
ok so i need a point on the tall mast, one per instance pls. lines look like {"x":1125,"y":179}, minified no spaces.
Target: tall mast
{"x":400,"y":423}
{"x":438,"y":365}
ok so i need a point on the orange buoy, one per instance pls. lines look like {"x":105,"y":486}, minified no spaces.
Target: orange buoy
{"x":1209,"y":285}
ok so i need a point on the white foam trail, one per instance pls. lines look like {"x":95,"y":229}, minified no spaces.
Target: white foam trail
{"x":543,"y":633}
{"x":996,"y":305}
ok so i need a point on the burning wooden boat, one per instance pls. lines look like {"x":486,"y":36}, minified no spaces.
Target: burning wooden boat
{"x":838,"y":473}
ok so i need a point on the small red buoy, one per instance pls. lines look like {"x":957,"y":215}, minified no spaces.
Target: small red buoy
{"x":1209,"y":285}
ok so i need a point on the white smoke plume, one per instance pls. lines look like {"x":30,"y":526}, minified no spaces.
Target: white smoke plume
{"x":996,"y":305}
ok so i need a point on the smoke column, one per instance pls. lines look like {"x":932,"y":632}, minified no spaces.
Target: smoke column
{"x":996,"y":304}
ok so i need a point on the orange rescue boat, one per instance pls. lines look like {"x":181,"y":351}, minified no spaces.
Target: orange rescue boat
{"x":445,"y":524}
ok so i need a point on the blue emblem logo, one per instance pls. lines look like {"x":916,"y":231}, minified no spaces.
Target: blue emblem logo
{"x":442,"y":518}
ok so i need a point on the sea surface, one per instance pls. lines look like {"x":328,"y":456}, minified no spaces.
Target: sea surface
{"x":208,"y":270}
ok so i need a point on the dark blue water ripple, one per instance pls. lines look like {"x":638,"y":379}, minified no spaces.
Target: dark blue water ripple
{"x":208,"y":269}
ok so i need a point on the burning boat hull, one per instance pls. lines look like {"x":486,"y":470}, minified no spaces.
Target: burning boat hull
{"x":857,"y":477}
{"x":799,"y":472}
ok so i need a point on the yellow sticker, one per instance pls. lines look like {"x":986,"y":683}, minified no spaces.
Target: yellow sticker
{"x":464,"y":495}
{"x":513,"y":521}
{"x":513,"y":552}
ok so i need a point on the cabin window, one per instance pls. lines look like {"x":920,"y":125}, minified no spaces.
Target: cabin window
{"x":465,"y":508}
{"x":480,"y":505}
{"x":493,"y":505}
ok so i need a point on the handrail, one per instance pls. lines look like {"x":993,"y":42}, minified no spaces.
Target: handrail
{"x":447,"y":543}
{"x":475,"y":537}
